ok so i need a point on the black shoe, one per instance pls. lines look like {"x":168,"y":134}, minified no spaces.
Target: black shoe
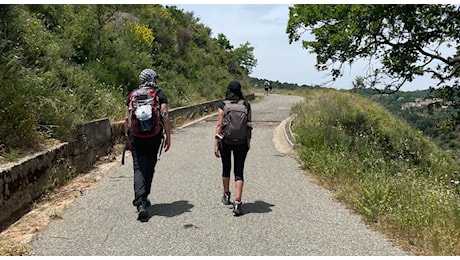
{"x":142,"y":212}
{"x":147,"y":203}
{"x":226,"y":199}
{"x":237,"y":209}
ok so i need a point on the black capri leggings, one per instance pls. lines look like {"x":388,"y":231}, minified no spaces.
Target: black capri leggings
{"x":239,"y":155}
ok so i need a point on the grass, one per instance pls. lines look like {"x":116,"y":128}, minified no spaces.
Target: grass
{"x":399,"y":181}
{"x":12,"y":156}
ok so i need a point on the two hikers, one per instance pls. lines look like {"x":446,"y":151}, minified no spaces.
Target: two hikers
{"x":148,"y":128}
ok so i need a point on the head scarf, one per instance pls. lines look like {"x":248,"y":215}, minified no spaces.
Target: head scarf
{"x":148,"y":77}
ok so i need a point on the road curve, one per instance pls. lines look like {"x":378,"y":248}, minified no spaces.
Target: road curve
{"x":286,"y":214}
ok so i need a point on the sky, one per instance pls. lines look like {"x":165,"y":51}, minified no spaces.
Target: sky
{"x":264,"y":27}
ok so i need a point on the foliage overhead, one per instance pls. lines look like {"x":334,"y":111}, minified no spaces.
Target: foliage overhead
{"x":399,"y":41}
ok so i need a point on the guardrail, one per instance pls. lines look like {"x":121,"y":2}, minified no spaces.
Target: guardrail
{"x":23,"y":182}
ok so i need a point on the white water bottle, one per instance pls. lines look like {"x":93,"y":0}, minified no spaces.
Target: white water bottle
{"x":144,"y":116}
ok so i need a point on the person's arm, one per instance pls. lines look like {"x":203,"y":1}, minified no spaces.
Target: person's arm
{"x":166,"y":125}
{"x":128,"y":140}
{"x":220,"y":117}
{"x":250,"y":130}
{"x":126,"y":120}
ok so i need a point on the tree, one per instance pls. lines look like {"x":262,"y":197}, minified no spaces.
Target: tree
{"x":358,"y":84}
{"x":407,"y":41}
{"x":246,"y":56}
{"x":224,"y":42}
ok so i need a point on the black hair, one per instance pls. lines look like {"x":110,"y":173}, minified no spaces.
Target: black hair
{"x":234,"y":95}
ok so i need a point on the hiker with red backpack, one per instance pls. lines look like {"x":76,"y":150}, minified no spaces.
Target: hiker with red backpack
{"x":148,"y":131}
{"x":233,"y":135}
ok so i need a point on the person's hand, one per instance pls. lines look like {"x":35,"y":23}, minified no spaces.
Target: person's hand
{"x":216,"y":149}
{"x":128,"y":143}
{"x":167,"y":143}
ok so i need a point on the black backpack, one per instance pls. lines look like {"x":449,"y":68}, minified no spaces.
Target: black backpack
{"x":144,"y":112}
{"x":235,"y":122}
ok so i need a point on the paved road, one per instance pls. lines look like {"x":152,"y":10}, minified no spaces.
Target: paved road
{"x":286,"y":213}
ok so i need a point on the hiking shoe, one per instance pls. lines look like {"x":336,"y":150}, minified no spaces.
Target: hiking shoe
{"x":237,"y":210}
{"x":142,"y":212}
{"x":226,"y":199}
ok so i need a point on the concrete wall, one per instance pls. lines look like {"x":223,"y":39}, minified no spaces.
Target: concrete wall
{"x":23,"y":182}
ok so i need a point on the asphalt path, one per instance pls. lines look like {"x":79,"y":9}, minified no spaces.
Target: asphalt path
{"x":285,"y":213}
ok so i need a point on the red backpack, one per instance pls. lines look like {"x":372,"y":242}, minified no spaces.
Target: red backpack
{"x":144,"y":112}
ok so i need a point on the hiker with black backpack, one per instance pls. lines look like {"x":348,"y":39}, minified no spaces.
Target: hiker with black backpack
{"x":148,"y":131}
{"x":233,"y":135}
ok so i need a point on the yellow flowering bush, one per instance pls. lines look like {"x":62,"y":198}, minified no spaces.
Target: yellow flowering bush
{"x":143,"y":34}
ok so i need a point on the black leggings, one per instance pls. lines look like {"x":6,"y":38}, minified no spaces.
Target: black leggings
{"x":239,"y":155}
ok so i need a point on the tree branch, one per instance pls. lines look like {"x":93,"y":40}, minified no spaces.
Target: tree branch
{"x":433,"y":56}
{"x":454,"y":60}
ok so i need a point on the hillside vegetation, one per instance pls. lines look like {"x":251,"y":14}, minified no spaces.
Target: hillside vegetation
{"x":426,"y":111}
{"x":401,"y":182}
{"x":67,"y":64}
